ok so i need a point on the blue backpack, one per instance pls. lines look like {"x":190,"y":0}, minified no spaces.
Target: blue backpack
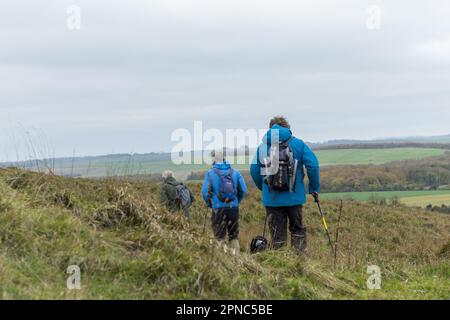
{"x":227,"y":188}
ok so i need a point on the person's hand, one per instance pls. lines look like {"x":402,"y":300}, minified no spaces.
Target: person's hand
{"x":315,"y":195}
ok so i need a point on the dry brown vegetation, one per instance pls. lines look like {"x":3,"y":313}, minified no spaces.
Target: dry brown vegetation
{"x":129,"y":247}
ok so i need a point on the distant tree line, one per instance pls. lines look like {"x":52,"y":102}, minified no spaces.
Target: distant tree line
{"x":426,"y":174}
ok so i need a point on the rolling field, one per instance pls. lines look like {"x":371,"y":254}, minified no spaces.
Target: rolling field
{"x":374,"y":156}
{"x":409,"y":198}
{"x":326,"y":158}
{"x":423,"y":201}
{"x":364,"y":156}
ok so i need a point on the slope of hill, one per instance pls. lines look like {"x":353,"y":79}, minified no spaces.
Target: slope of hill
{"x":129,"y":248}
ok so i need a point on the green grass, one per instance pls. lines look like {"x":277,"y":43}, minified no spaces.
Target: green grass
{"x":326,"y":158}
{"x":423,"y":201}
{"x":409,"y":198}
{"x":374,"y":156}
{"x":129,"y":247}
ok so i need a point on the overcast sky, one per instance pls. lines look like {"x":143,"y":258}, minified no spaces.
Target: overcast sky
{"x":137,"y":70}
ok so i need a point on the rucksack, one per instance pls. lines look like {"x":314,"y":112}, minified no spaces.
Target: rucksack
{"x":258,"y":244}
{"x":183,"y":196}
{"x":284,"y":179}
{"x":227,"y":187}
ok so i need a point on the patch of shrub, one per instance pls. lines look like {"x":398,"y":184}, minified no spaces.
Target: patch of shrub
{"x":442,"y":209}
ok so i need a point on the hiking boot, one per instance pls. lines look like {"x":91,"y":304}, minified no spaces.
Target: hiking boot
{"x":220,"y":243}
{"x":235,"y":247}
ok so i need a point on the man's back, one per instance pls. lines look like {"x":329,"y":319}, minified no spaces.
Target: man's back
{"x":278,"y":170}
{"x":168,"y":195}
{"x":212,"y":184}
{"x":305,"y":157}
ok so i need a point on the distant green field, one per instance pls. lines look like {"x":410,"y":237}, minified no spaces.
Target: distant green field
{"x":409,"y":198}
{"x":422,"y":201}
{"x":129,"y":166}
{"x":333,"y":157}
{"x":374,"y":156}
{"x":364,"y":156}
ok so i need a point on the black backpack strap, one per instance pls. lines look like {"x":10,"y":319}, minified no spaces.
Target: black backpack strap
{"x":211,"y":190}
{"x":286,"y":143}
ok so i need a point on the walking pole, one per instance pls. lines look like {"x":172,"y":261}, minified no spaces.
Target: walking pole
{"x":211,"y":206}
{"x":206,"y":215}
{"x":265,"y":224}
{"x":324,"y":222}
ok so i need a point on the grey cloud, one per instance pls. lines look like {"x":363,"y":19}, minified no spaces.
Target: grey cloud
{"x":138,"y":70}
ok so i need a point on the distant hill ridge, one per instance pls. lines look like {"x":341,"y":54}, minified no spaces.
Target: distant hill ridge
{"x":135,"y":163}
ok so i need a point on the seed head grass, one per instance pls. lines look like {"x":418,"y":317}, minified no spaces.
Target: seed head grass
{"x":129,"y":247}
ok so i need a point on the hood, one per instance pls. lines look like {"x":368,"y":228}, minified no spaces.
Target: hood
{"x":170,"y":180}
{"x":222,"y":166}
{"x":284,"y":134}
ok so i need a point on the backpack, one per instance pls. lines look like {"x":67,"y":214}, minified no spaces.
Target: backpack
{"x":183,"y":196}
{"x":227,"y":188}
{"x":284,"y":179}
{"x":258,"y":244}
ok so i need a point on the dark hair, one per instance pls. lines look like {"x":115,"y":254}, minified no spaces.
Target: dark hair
{"x":280,"y":120}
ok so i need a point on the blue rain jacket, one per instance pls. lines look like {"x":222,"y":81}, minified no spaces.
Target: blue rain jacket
{"x":210,"y":195}
{"x":305,"y":158}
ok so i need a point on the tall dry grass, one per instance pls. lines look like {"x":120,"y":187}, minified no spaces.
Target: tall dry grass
{"x":129,"y":247}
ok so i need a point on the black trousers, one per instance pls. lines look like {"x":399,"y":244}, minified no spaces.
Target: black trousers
{"x":223,"y":220}
{"x":278,"y":219}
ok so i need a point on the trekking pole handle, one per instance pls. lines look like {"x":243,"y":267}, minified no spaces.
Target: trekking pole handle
{"x":315,"y":195}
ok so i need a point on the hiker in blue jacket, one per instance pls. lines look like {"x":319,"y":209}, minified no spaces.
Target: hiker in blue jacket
{"x":283,"y":189}
{"x":223,"y":190}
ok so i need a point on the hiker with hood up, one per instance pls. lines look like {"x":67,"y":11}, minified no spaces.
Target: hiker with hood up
{"x":223,"y":190}
{"x":283,"y":189}
{"x":175,"y":195}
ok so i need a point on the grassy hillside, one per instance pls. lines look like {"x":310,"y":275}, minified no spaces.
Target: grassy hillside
{"x":130,"y":248}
